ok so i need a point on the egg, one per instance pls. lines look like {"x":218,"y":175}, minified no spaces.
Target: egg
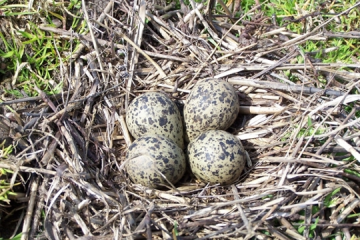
{"x":5,"y":134}
{"x":150,"y":158}
{"x":216,"y":156}
{"x":211,"y":104}
{"x":155,"y":113}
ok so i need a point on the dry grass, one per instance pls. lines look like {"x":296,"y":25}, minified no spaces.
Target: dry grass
{"x":297,"y":135}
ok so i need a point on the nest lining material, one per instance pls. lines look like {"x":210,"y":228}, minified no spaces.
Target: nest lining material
{"x":75,"y":147}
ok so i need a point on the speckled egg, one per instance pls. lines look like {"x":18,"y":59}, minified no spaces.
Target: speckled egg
{"x":216,"y":156}
{"x":151,"y":157}
{"x":212,"y":104}
{"x":155,"y":113}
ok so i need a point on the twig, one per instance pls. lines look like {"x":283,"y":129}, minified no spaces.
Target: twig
{"x":341,"y":217}
{"x":145,"y":223}
{"x":331,"y":138}
{"x":40,"y":203}
{"x":100,"y":62}
{"x":37,"y":170}
{"x":280,"y":86}
{"x":121,"y":120}
{"x":31,"y":99}
{"x":352,"y":34}
{"x":339,"y":140}
{"x":30,"y":208}
{"x":96,"y":84}
{"x":278,"y":63}
{"x":140,"y":20}
{"x":242,"y":214}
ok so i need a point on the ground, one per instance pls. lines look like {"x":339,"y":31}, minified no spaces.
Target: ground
{"x":70,"y":69}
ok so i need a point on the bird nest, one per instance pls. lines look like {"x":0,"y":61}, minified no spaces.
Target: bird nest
{"x":300,"y":132}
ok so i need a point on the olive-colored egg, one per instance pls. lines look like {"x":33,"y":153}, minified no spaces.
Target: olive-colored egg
{"x":151,"y":158}
{"x":216,"y":156}
{"x":155,"y":113}
{"x":211,"y":104}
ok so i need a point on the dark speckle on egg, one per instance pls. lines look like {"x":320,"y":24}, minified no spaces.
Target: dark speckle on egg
{"x":163,"y":121}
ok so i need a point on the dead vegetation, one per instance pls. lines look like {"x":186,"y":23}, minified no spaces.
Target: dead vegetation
{"x":72,"y":146}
